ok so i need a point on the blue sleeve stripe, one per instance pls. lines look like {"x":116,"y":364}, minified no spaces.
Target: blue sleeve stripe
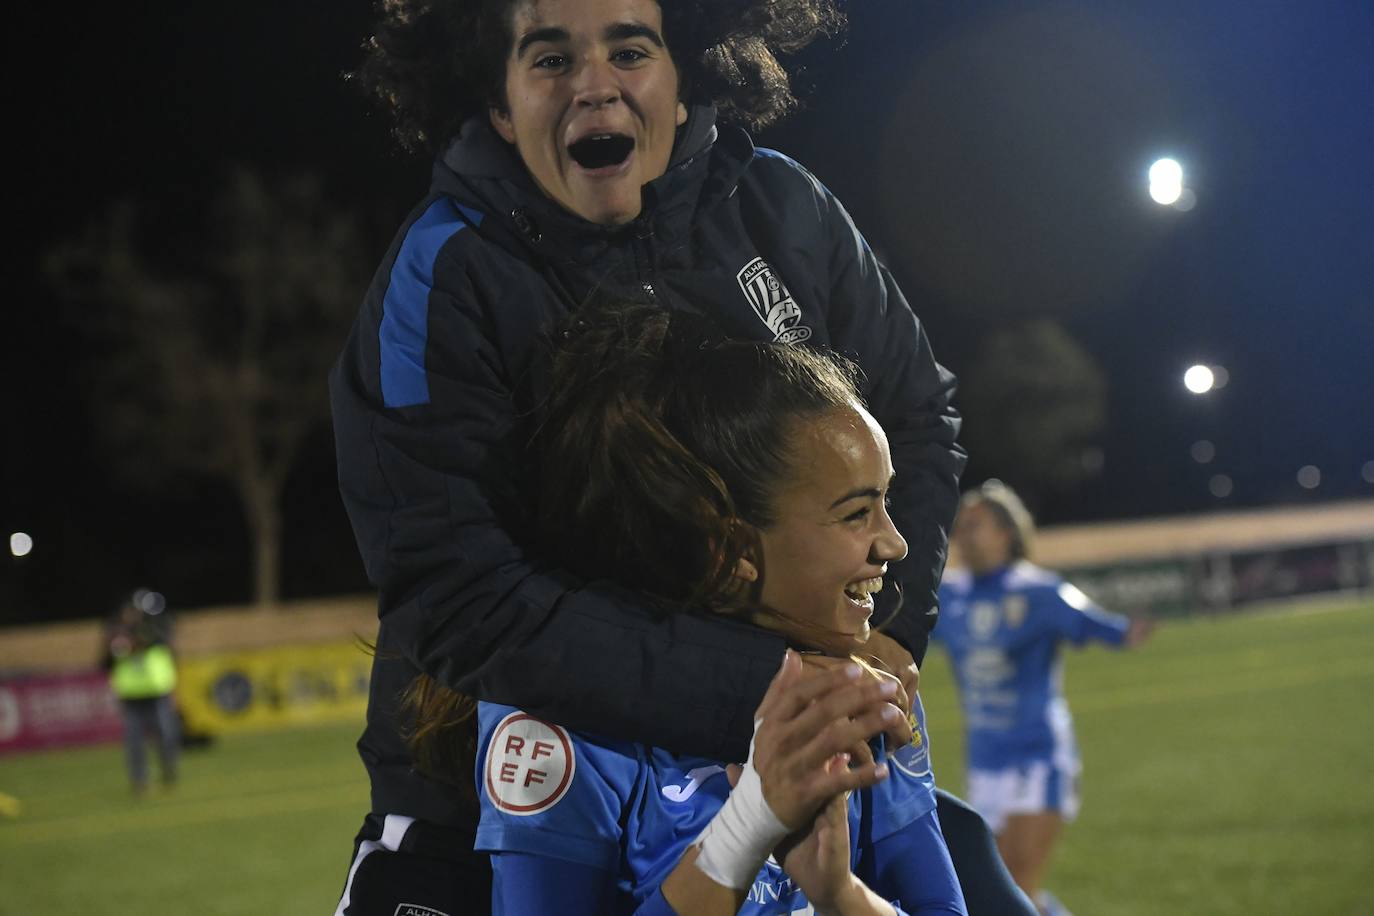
{"x":404,"y":331}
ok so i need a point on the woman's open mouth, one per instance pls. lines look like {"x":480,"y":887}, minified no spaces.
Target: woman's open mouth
{"x":862,"y":592}
{"x":602,"y":152}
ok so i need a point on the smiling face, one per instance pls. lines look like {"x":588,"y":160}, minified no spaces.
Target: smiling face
{"x":591,"y":102}
{"x":826,"y":552}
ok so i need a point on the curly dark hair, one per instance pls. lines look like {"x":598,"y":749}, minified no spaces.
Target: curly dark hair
{"x":434,"y":63}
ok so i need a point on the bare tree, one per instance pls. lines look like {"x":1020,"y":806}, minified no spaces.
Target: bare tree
{"x":218,"y":331}
{"x":1034,"y":404}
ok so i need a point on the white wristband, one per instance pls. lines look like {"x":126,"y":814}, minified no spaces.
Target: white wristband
{"x":742,"y":835}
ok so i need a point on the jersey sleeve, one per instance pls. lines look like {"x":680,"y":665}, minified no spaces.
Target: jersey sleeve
{"x":912,"y":869}
{"x":656,"y":905}
{"x":549,"y":793}
{"x":1078,"y":619}
{"x":524,"y":883}
{"x":908,"y":793}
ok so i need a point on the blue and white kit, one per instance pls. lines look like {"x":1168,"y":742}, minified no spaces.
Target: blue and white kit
{"x":1003,"y":631}
{"x":584,"y":825}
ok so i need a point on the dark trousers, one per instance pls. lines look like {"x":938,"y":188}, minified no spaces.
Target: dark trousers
{"x":156,"y":716}
{"x":983,"y":877}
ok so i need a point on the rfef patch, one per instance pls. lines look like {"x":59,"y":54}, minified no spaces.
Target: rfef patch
{"x":530,"y":765}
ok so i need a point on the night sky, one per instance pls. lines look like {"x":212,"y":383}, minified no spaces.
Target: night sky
{"x":994,"y":153}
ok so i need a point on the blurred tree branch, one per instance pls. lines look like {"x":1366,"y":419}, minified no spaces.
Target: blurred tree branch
{"x":1034,"y":403}
{"x":217,"y":335}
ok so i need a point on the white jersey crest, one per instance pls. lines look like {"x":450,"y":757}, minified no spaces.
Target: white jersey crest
{"x":772,"y":301}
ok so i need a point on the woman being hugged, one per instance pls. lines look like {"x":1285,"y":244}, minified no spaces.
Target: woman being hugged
{"x":743,"y":480}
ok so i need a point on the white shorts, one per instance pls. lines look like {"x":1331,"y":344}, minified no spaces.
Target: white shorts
{"x":1040,"y":787}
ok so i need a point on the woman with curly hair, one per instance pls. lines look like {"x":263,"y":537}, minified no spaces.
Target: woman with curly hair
{"x":583,"y":146}
{"x":434,"y":64}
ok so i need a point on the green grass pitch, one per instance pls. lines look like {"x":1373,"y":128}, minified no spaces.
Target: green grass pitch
{"x":1227,"y":771}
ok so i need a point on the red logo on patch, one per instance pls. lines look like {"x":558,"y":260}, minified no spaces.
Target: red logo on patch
{"x":530,"y":765}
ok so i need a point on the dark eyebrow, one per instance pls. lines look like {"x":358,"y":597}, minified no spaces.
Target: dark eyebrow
{"x":623,"y":30}
{"x":862,"y":493}
{"x":618,"y":32}
{"x":533,"y":36}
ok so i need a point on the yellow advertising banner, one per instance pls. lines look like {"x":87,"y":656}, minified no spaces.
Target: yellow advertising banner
{"x":273,"y":688}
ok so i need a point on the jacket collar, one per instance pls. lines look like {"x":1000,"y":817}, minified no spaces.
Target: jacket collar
{"x":482,"y":170}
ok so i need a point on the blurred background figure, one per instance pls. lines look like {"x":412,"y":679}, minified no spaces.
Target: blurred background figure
{"x":143,"y":675}
{"x":1002,"y":622}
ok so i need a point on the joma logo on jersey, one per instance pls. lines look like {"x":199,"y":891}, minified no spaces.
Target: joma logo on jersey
{"x":694,"y":780}
{"x":772,"y":302}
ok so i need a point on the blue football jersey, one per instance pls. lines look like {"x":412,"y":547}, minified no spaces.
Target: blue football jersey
{"x":632,"y":810}
{"x":1003,"y":631}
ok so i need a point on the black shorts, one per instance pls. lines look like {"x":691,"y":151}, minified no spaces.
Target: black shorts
{"x":407,"y":867}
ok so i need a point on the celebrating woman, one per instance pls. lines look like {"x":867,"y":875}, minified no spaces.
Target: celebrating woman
{"x":578,"y":151}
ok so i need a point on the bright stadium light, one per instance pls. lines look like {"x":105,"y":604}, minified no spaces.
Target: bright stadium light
{"x":20,"y":544}
{"x":1166,"y":182}
{"x":1309,"y":477}
{"x":1166,"y":171}
{"x":1199,"y":379}
{"x":1165,"y":194}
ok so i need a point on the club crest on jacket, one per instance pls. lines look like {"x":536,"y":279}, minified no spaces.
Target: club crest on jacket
{"x":772,"y":301}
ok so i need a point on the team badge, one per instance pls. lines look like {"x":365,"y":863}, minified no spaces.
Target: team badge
{"x":1014,"y":610}
{"x":772,"y":302}
{"x":529,"y":766}
{"x":914,"y":759}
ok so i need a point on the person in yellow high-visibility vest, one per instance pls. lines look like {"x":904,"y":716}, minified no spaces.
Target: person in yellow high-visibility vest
{"x":143,"y":675}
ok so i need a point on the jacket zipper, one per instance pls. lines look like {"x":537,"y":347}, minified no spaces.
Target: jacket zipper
{"x":644,"y":239}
